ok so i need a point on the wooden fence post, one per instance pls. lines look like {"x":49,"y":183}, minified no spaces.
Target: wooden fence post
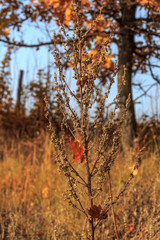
{"x":19,"y":91}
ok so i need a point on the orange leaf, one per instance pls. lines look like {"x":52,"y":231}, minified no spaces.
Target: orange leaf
{"x":7,"y":31}
{"x":77,"y":150}
{"x":82,"y":83}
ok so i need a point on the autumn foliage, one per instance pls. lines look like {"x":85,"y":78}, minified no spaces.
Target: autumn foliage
{"x":77,"y":149}
{"x":97,"y":212}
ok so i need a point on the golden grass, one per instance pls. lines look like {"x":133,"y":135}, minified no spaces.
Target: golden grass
{"x":32,"y":205}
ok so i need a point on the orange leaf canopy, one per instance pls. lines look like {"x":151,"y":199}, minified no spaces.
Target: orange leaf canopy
{"x":77,"y":150}
{"x":154,"y":5}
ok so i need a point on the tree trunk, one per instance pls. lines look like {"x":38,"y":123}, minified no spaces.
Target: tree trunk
{"x":19,"y":91}
{"x":125,"y":58}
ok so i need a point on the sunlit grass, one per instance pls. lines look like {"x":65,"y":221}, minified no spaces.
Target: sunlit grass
{"x":33,"y":206}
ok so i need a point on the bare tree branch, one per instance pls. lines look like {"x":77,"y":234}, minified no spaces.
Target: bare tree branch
{"x":20,"y":44}
{"x":145,"y":92}
{"x":156,"y":78}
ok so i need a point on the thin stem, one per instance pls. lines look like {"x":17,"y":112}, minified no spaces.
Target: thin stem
{"x":113,"y":214}
{"x":83,"y":125}
{"x":76,"y":173}
{"x":77,"y":198}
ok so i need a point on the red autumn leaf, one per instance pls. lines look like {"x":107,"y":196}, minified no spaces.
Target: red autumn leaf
{"x":85,"y":78}
{"x":97,"y":212}
{"x":77,"y":150}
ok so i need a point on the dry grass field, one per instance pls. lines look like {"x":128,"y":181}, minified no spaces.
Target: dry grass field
{"x":32,"y":199}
